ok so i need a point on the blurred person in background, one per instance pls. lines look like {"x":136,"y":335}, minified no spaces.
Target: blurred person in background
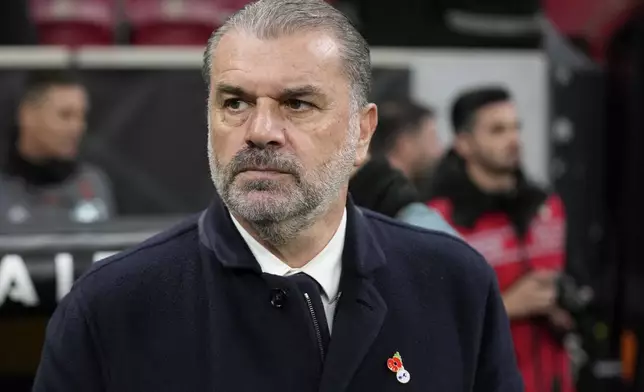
{"x":407,"y":137}
{"x":42,"y":178}
{"x":404,"y":146}
{"x":480,"y":189}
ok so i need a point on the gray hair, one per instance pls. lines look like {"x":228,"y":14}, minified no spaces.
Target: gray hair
{"x":270,"y":19}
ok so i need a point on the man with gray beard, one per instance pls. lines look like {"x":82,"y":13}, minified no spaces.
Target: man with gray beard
{"x":283,"y":284}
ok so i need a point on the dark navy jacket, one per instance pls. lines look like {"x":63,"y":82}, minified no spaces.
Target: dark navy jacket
{"x":190,"y":311}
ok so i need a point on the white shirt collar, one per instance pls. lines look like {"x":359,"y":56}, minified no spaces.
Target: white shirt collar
{"x":325,"y":268}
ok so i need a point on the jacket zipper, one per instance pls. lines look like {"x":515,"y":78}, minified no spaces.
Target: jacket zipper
{"x":316,"y":325}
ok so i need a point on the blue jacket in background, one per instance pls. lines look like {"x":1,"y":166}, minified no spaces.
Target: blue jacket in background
{"x":190,"y":310}
{"x":380,"y":187}
{"x":418,"y":214}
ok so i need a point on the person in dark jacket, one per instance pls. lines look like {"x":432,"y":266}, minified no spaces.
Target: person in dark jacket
{"x":480,"y":189}
{"x":404,"y":147}
{"x":380,"y":187}
{"x":407,"y":136}
{"x":283,"y":284}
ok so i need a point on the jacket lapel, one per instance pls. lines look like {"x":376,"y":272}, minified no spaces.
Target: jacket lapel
{"x":218,"y":234}
{"x":360,"y":316}
{"x":361,"y":310}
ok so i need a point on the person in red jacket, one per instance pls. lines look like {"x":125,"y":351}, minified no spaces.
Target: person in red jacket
{"x":519,"y":228}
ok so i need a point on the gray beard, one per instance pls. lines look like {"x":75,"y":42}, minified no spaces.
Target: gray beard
{"x":279,"y":223}
{"x":280,"y":233}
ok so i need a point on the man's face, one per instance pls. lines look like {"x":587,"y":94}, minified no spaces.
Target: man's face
{"x":283,"y":137}
{"x":494,"y":142}
{"x":427,"y":146}
{"x":56,"y":121}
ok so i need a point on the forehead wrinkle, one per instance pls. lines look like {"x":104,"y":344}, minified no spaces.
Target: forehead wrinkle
{"x":237,"y":49}
{"x":273,"y":81}
{"x":267,"y":86}
{"x":270,"y":67}
{"x":267,"y":67}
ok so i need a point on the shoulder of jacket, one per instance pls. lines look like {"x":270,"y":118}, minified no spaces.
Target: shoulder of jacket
{"x":163,"y":245}
{"x":442,"y":205}
{"x":554,"y":199}
{"x":433,"y":255}
{"x":553,"y":206}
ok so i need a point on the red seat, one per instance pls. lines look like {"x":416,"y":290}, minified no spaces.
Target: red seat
{"x":594,"y":20}
{"x":173,"y":22}
{"x":570,"y":17}
{"x":230,"y":6}
{"x":177,"y":22}
{"x":603,"y":33}
{"x":74,"y":22}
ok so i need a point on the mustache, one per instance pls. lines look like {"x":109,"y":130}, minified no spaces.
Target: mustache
{"x":255,"y":159}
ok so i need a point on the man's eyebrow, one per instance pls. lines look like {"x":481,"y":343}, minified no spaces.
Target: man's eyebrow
{"x":301,"y":91}
{"x":287,"y":93}
{"x":225,"y":88}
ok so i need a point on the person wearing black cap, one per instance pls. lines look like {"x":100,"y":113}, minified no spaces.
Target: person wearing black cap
{"x":480,"y":189}
{"x":403,"y":149}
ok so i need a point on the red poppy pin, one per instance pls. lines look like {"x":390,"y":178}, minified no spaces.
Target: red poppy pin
{"x":395,"y":364}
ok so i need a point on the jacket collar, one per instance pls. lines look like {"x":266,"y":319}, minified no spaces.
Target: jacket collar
{"x":470,"y":202}
{"x":361,"y":310}
{"x":362,"y":254}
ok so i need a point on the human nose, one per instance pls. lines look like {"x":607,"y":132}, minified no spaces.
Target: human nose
{"x":267,"y":127}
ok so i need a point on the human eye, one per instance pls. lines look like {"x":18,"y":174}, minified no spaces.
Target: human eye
{"x":298,"y":105}
{"x":235,"y":104}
